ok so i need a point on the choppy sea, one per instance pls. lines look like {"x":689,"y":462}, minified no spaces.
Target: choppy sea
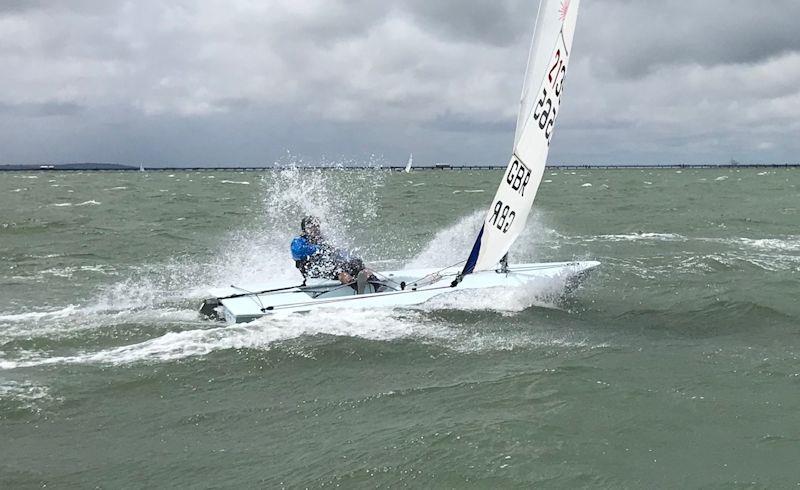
{"x":676,"y":364}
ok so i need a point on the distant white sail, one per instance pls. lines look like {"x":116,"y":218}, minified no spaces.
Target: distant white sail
{"x":539,"y":107}
{"x":410,"y":162}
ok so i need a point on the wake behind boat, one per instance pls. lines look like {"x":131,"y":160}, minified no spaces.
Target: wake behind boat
{"x":486,"y":266}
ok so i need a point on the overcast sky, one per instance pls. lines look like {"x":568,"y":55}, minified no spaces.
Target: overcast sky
{"x":246,"y":81}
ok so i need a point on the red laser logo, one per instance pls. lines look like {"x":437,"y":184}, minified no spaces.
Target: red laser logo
{"x":564,"y":9}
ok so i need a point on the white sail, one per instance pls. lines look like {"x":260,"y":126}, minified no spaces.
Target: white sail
{"x":541,"y":100}
{"x":410,"y":162}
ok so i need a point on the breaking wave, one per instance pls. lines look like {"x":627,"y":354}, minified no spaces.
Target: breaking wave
{"x":25,"y":396}
{"x":91,"y":202}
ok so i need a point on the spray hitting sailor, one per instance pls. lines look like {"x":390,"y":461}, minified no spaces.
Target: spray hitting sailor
{"x":315,"y":257}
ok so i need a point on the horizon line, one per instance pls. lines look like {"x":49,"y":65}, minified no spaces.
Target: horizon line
{"x":438,"y":166}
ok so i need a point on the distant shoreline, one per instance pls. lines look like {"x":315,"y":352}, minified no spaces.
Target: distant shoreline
{"x":111,"y":167}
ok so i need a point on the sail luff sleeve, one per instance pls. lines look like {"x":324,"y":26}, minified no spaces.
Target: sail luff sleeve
{"x":469,"y":267}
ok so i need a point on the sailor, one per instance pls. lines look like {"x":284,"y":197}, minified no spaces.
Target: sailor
{"x":315,"y":257}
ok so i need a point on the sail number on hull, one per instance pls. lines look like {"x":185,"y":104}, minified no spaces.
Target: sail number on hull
{"x":546,"y":109}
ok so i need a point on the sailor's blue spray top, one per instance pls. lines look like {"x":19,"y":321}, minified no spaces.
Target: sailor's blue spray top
{"x":302,"y":249}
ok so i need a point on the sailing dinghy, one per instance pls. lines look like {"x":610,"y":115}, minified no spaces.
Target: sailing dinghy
{"x":486,"y":265}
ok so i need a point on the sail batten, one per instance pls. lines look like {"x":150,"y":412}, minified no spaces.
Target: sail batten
{"x":539,"y":107}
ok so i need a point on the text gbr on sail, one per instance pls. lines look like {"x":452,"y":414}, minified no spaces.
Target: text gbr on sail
{"x":517,"y":178}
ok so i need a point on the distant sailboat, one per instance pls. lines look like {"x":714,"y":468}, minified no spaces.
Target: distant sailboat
{"x":141,"y":167}
{"x":410,"y":162}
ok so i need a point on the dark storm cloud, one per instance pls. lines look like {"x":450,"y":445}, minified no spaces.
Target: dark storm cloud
{"x":41,"y":109}
{"x":635,"y":37}
{"x":240,"y":81}
{"x":474,"y":21}
{"x":19,"y":5}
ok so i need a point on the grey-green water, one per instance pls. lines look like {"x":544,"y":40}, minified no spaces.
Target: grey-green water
{"x":675,"y":365}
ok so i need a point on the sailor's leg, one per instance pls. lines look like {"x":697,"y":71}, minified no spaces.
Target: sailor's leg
{"x":361,"y":281}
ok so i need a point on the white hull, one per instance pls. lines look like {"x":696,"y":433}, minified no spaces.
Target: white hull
{"x":396,"y":289}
